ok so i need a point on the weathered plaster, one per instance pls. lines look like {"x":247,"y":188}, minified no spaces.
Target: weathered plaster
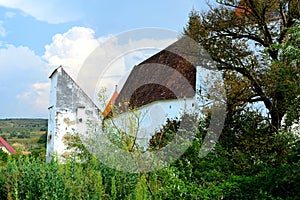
{"x":69,"y":110}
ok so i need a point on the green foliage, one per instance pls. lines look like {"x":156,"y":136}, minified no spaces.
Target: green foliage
{"x":285,"y":72}
{"x":30,"y":178}
{"x":242,"y":46}
{"x":17,"y":125}
{"x":43,"y":129}
{"x":23,"y":131}
{"x":118,"y":184}
{"x":258,"y":51}
{"x":113,"y":189}
{"x":223,"y":174}
{"x":250,"y":165}
{"x":165,"y":135}
{"x":141,"y":192}
{"x":4,"y":137}
{"x":3,"y":158}
{"x":24,"y":135}
{"x":193,"y":26}
{"x":13,"y":135}
{"x":43,"y":139}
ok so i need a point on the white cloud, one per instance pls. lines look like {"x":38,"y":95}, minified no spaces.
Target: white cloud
{"x":71,"y":48}
{"x":24,"y":75}
{"x":2,"y":29}
{"x":20,"y":70}
{"x":99,"y":62}
{"x":37,"y":95}
{"x":117,"y":59}
{"x":54,"y":11}
{"x":19,"y":59}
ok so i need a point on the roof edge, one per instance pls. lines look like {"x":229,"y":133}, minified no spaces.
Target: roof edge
{"x":54,"y":72}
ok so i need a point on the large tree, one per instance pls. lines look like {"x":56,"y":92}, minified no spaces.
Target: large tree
{"x":246,"y":38}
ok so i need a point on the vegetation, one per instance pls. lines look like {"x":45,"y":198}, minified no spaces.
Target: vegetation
{"x":247,"y":40}
{"x":24,"y":134}
{"x":252,"y":171}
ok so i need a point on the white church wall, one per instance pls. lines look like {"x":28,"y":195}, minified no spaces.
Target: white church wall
{"x":152,"y":117}
{"x":69,"y":113}
{"x":51,"y":118}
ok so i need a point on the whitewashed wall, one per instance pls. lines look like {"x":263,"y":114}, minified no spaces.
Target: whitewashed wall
{"x":152,"y":117}
{"x":69,"y":112}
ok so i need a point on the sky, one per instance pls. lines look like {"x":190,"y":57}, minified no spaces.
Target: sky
{"x":38,"y":36}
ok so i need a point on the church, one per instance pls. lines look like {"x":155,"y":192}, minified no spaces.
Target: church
{"x":164,"y":86}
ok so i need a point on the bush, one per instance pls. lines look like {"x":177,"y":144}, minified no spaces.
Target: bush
{"x":12,"y":135}
{"x":31,"y":178}
{"x":43,"y":129}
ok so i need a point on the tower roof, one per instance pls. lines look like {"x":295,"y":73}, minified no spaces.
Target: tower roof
{"x":111,"y":102}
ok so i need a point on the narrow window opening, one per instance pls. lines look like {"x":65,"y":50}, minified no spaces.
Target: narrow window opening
{"x":49,"y":138}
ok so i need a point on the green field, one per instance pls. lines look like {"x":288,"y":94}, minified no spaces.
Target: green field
{"x":24,"y":134}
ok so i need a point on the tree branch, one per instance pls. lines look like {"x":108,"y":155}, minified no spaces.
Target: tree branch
{"x":248,"y":75}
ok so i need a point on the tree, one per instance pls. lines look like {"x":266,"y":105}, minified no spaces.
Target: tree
{"x":43,"y":139}
{"x":241,"y":37}
{"x":286,"y":71}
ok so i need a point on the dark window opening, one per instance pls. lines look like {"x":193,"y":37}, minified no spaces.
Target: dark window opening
{"x":49,"y":138}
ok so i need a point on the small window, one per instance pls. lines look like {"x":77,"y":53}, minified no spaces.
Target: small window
{"x":170,"y":106}
{"x":49,"y":138}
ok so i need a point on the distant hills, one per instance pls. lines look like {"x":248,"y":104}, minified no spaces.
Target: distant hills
{"x":25,"y":134}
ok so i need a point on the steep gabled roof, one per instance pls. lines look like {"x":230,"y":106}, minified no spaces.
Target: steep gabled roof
{"x":158,"y":78}
{"x":110,"y":104}
{"x":5,"y":144}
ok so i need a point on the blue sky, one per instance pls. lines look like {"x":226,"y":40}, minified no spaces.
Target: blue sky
{"x":38,"y":36}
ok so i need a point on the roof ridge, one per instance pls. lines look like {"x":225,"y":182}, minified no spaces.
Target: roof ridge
{"x":9,"y":148}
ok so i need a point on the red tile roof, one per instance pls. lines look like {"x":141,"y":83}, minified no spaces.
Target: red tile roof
{"x":111,"y":102}
{"x":5,"y":144}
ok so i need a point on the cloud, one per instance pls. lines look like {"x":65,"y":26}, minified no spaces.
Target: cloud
{"x":37,"y":96}
{"x":100,"y":62}
{"x":20,"y":70}
{"x":54,"y":11}
{"x":18,"y":60}
{"x":2,"y":29}
{"x":24,"y":75}
{"x":71,"y":48}
{"x":116,"y":60}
